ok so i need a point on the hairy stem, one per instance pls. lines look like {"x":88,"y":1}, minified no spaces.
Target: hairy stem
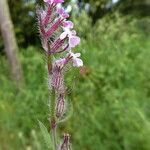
{"x":53,"y":120}
{"x":54,"y":139}
{"x":52,"y":106}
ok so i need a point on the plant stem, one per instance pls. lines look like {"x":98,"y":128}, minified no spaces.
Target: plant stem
{"x":52,"y":106}
{"x":53,"y":133}
{"x":53,"y":120}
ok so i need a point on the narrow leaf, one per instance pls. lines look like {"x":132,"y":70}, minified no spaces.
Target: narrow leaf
{"x":46,"y":135}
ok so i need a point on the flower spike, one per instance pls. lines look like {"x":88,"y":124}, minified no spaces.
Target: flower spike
{"x":58,"y":39}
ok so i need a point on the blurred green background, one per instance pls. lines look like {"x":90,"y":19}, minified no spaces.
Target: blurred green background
{"x":110,"y":94}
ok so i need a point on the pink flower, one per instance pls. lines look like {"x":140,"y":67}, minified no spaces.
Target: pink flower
{"x":73,"y":39}
{"x":66,"y":33}
{"x":60,"y":62}
{"x":62,"y":13}
{"x":53,"y":1}
{"x":68,"y":24}
{"x":77,"y":62}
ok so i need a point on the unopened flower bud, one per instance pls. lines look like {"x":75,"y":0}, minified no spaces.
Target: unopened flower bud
{"x":65,"y":145}
{"x":60,"y":106}
{"x":57,"y":77}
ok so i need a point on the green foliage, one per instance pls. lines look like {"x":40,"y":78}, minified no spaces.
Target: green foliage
{"x":84,"y":26}
{"x":111,"y":98}
{"x":137,"y":8}
{"x":46,"y":135}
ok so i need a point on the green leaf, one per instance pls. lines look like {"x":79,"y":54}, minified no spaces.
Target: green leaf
{"x":46,"y":135}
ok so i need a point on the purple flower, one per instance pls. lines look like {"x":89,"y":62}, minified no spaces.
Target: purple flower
{"x":62,"y":13}
{"x":61,"y":62}
{"x":68,"y":24}
{"x":73,"y":39}
{"x":77,"y":62}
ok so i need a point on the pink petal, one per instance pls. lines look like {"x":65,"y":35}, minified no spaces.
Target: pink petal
{"x":77,"y":62}
{"x":63,"y":35}
{"x":68,"y":24}
{"x":62,"y":13}
{"x":73,"y":41}
{"x":65,"y":15}
{"x":60,"y":62}
{"x":77,"y":55}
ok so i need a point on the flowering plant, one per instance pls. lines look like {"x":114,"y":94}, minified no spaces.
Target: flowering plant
{"x":58,"y":39}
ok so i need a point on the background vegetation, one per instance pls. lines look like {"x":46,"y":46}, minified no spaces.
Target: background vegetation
{"x":110,"y":94}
